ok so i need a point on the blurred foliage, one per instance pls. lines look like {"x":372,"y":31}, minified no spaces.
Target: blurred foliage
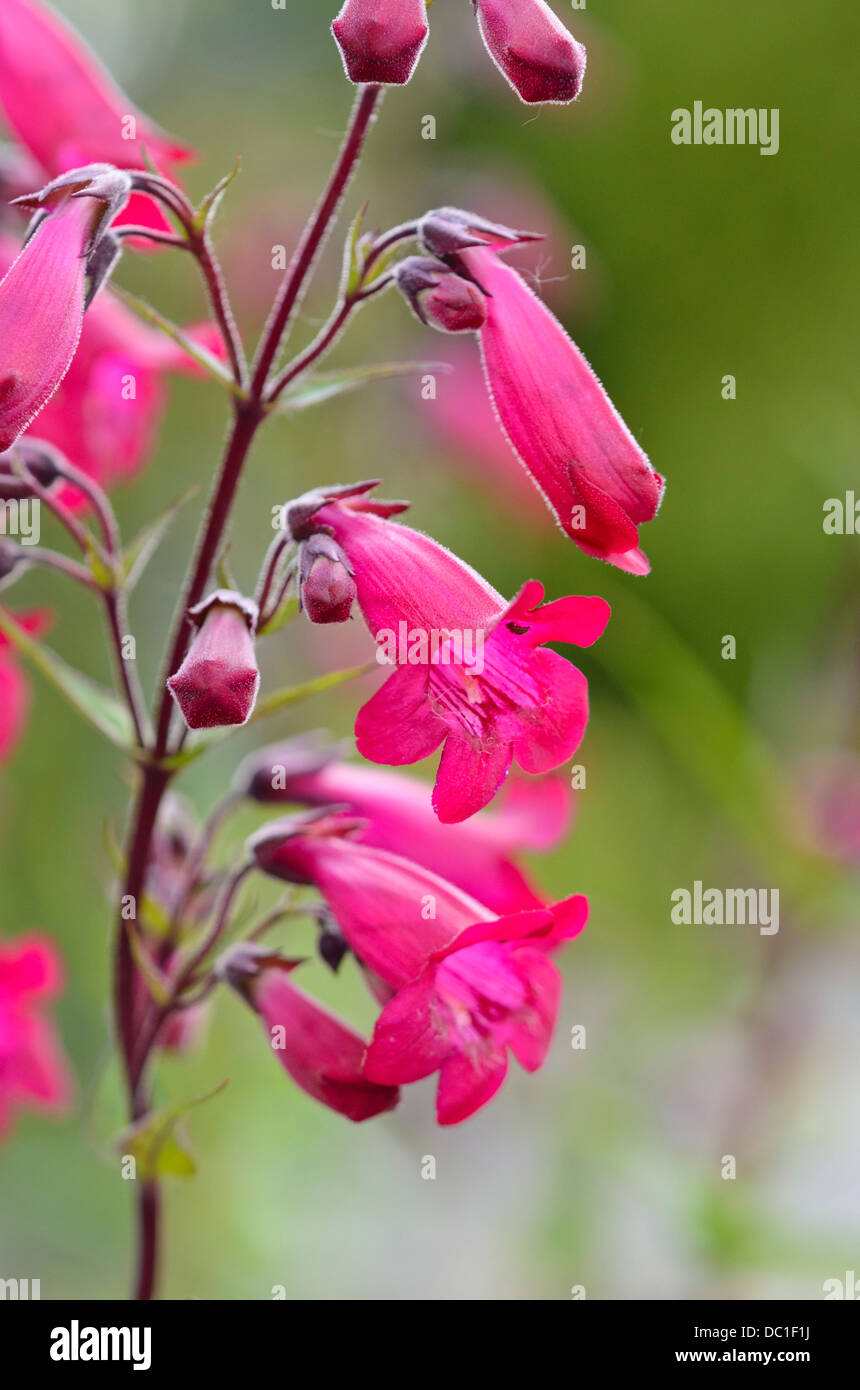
{"x":603,"y":1169}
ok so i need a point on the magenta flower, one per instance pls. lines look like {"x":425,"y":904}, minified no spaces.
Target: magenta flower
{"x":14,"y":686}
{"x":466,"y":986}
{"x":42,"y":293}
{"x":67,"y":110}
{"x":33,"y":1071}
{"x":217,"y":683}
{"x":491,"y":693}
{"x":532,"y":49}
{"x":478,"y":857}
{"x":326,"y":580}
{"x":561,"y":422}
{"x":380,"y":41}
{"x":320,"y":1053}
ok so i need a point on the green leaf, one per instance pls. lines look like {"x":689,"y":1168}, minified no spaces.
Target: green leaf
{"x":319,"y":387}
{"x":285,"y":614}
{"x":157,"y":984}
{"x":157,"y":1141}
{"x":294,"y":693}
{"x":139,"y":552}
{"x":196,"y":351}
{"x":100,"y":707}
{"x":353,"y":261}
{"x":209,"y":206}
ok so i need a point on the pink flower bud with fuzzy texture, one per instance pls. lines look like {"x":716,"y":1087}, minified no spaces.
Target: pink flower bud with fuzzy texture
{"x":532,"y":49}
{"x":326,"y":581}
{"x":216,"y":685}
{"x":42,"y":295}
{"x":319,"y":1052}
{"x":439,"y":297}
{"x":380,"y":41}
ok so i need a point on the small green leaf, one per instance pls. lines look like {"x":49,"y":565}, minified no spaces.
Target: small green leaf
{"x":353,"y":261}
{"x":196,"y":351}
{"x":100,"y":707}
{"x":319,"y":387}
{"x":294,"y":693}
{"x":157,"y":1141}
{"x":139,"y":552}
{"x":209,"y":206}
{"x":157,"y":984}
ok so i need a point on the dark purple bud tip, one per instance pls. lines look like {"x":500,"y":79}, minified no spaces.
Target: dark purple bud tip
{"x":38,"y":459}
{"x":278,"y":773}
{"x":272,"y":847}
{"x":242,"y":964}
{"x":439,"y":297}
{"x":446,"y":231}
{"x":108,"y":186}
{"x":327,"y":588}
{"x":216,"y":685}
{"x":380,"y":41}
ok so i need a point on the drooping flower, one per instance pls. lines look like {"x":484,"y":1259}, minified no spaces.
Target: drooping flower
{"x":42,"y":293}
{"x":14,"y":685}
{"x":320,"y":1053}
{"x":380,"y":41}
{"x":33,"y":1070}
{"x":217,"y":683}
{"x":472,"y":670}
{"x":67,"y":110}
{"x":105,"y":414}
{"x":532,"y":49}
{"x":563,"y":426}
{"x":478,"y":856}
{"x":465,"y":986}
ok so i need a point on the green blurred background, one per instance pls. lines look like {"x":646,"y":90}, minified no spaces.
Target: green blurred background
{"x":604,"y":1169}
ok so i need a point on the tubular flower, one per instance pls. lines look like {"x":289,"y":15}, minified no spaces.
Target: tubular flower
{"x":466,"y":986}
{"x":42,"y":293}
{"x":67,"y":110}
{"x":320,"y":1053}
{"x":380,"y":41}
{"x":217,"y":683}
{"x":532,"y":49}
{"x":561,"y":422}
{"x":33,"y":1071}
{"x":472,"y":670}
{"x":478,"y":857}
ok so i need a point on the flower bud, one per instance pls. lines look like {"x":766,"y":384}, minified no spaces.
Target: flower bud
{"x":39,"y":459}
{"x":326,"y":580}
{"x":439,"y":297}
{"x":445,"y":232}
{"x":532,"y":49}
{"x":380,"y":41}
{"x":217,"y":683}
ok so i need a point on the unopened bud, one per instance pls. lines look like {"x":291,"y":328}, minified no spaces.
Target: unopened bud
{"x":380,"y":41}
{"x":326,"y":580}
{"x":217,"y":683}
{"x":439,"y":297}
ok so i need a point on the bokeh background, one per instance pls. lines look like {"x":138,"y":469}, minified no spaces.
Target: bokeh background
{"x":604,"y":1169}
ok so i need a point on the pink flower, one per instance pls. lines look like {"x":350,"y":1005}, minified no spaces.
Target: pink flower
{"x":561,"y":422}
{"x":67,"y":110}
{"x":477,"y":856}
{"x":33,"y":1071}
{"x":14,"y":686}
{"x":532,"y":49}
{"x":217,"y":683}
{"x":501,"y":697}
{"x":320,"y":1053}
{"x":467,"y":986}
{"x":380,"y":41}
{"x":42,"y":309}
